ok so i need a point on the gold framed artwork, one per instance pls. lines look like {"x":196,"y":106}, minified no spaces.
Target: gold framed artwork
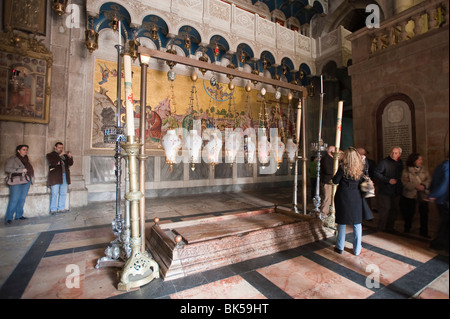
{"x":25,"y":15}
{"x":25,"y":78}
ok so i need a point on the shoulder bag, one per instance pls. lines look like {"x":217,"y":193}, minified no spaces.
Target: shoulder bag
{"x":17,"y":179}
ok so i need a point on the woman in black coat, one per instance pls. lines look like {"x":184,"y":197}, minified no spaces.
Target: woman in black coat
{"x":349,"y":201}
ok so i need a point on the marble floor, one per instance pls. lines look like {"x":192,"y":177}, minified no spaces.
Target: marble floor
{"x":54,"y":257}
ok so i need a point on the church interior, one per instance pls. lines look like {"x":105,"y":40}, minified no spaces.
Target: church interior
{"x":193,"y":125}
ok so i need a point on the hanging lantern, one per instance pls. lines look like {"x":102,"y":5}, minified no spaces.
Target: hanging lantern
{"x":249,"y":150}
{"x":91,"y":41}
{"x":232,"y":145}
{"x":114,"y":23}
{"x":171,"y":144}
{"x":171,"y":64}
{"x":154,"y":32}
{"x":279,"y":148}
{"x":213,"y":149}
{"x":134,"y":45}
{"x":291,"y":149}
{"x":187,"y":42}
{"x":264,"y":147}
{"x":203,"y":58}
{"x":193,"y":143}
{"x":216,"y":51}
{"x":59,"y":6}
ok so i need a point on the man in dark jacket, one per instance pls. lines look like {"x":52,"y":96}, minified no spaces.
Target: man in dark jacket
{"x":59,"y":177}
{"x":388,"y":173}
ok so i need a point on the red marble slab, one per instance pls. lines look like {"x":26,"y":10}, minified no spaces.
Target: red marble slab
{"x":214,"y":242}
{"x":215,"y":229}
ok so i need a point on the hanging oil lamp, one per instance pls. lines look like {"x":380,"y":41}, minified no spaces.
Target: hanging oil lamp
{"x":171,"y":144}
{"x":59,"y":6}
{"x":154,"y":32}
{"x":134,"y":45}
{"x":91,"y":41}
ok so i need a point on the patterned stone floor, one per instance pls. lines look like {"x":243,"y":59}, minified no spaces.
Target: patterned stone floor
{"x":54,"y":257}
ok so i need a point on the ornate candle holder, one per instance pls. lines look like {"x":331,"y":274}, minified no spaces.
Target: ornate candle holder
{"x":140,"y":268}
{"x":119,"y":249}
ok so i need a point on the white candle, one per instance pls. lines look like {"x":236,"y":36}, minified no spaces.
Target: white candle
{"x":299,"y":115}
{"x":339,"y":124}
{"x":128,"y":95}
{"x":120,"y":36}
{"x":321,"y":84}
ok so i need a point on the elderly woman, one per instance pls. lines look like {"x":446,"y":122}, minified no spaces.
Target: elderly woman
{"x":351,"y":207}
{"x":18,"y":166}
{"x":416,"y":181}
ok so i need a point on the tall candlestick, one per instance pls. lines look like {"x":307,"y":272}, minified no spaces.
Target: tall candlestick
{"x":339,"y":125}
{"x":299,"y":115}
{"x":128,"y":95}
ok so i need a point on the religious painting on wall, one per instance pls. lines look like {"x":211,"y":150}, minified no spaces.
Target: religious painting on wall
{"x":25,"y":15}
{"x":25,"y":78}
{"x":176,"y":104}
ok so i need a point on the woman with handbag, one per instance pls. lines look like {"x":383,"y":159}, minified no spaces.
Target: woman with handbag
{"x":350,"y":204}
{"x":416,"y":182}
{"x":20,"y":177}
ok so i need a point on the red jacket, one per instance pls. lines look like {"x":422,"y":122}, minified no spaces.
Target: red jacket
{"x":56,"y":169}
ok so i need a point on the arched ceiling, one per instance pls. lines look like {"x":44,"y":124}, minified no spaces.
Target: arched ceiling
{"x":188,"y":39}
{"x":303,"y":10}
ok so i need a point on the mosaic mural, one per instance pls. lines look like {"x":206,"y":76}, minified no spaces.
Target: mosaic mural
{"x":176,"y":104}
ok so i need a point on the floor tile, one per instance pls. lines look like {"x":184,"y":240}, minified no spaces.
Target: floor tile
{"x":302,"y":278}
{"x":81,"y":238}
{"x":408,"y":247}
{"x":368,"y":263}
{"x":230,"y":288}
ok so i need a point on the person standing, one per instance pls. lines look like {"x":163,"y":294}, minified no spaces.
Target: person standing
{"x":351,"y":207}
{"x":59,"y":177}
{"x":439,"y":195}
{"x":389,"y":172}
{"x":326,"y":174}
{"x":416,"y":181}
{"x":19,"y":166}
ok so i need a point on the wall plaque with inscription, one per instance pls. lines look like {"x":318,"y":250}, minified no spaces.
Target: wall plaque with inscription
{"x":397,"y":128}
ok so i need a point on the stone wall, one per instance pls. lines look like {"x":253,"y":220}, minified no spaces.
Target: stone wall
{"x":416,"y":66}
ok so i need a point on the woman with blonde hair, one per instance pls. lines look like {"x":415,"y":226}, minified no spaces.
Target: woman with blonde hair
{"x":349,"y":201}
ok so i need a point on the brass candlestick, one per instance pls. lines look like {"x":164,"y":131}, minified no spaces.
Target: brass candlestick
{"x":140,"y":268}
